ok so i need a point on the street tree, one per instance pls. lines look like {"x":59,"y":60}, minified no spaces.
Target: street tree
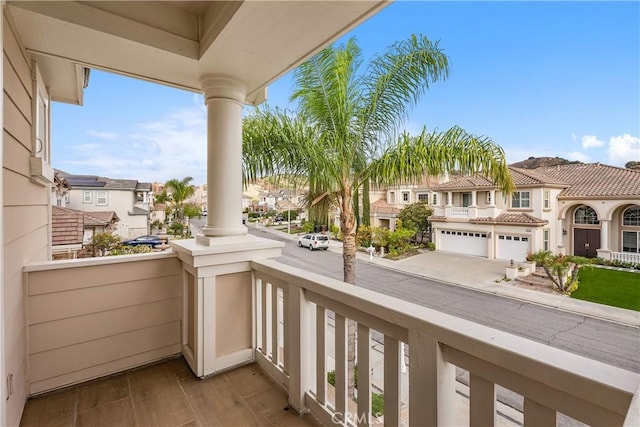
{"x":416,"y":217}
{"x":181,"y":190}
{"x":346,"y":131}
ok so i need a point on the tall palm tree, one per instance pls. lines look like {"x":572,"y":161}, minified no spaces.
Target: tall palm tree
{"x":181,"y":190}
{"x":345,"y":132}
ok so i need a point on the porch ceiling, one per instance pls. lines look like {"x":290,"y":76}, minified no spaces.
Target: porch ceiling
{"x":175,"y":43}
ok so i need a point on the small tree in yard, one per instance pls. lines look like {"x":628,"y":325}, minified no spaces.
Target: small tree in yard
{"x":416,"y":217}
{"x":103,"y":243}
{"x":561,"y":269}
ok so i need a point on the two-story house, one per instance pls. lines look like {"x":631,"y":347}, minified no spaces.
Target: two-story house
{"x":580,"y":209}
{"x":128,"y":198}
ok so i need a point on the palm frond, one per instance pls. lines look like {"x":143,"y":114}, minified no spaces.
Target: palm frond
{"x":439,"y":152}
{"x":395,"y":82}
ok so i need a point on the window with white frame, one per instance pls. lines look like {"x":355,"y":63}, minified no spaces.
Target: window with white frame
{"x":392,"y":196}
{"x":546,"y":200}
{"x":488,"y":197}
{"x":631,"y":241}
{"x":631,"y":216}
{"x":423,"y":197}
{"x":405,"y":197}
{"x":586,"y":215}
{"x":545,"y":239}
{"x":66,"y":198}
{"x":520,"y":199}
{"x":87,"y":197}
{"x":101,"y":198}
{"x":434,"y":200}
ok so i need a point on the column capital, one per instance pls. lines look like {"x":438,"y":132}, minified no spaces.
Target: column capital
{"x":225,"y":87}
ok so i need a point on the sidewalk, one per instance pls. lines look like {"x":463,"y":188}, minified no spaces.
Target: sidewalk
{"x":481,"y":274}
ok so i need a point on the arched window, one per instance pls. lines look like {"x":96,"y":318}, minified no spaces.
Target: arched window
{"x":585,"y":215}
{"x":631,"y":216}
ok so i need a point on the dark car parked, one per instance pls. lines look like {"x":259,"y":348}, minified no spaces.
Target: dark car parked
{"x":144,"y":240}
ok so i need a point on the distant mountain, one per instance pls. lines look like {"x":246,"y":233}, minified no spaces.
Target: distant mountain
{"x":539,"y":162}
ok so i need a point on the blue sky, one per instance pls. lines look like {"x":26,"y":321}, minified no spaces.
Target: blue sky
{"x":539,"y":78}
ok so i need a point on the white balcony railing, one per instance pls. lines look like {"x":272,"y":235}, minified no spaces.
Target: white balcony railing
{"x":293,"y":341}
{"x":625,"y":257}
{"x":459,"y":212}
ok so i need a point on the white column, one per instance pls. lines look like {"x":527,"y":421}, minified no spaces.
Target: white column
{"x":224,"y":98}
{"x":474,"y":198}
{"x":604,"y":234}
{"x":493,"y":198}
{"x":449,"y":198}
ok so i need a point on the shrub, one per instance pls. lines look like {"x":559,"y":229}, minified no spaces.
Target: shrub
{"x":307,"y":226}
{"x":176,"y":228}
{"x":363,"y":236}
{"x":431,"y":246}
{"x":377,"y":404}
{"x":128,"y":250}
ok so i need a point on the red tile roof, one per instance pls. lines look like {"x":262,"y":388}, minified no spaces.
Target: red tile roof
{"x":67,"y":226}
{"x":381,"y":206}
{"x":595,"y":180}
{"x":511,"y":218}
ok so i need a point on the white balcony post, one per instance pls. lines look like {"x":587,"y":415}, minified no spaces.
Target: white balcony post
{"x":492,"y":202}
{"x":431,"y":383}
{"x":449,"y":198}
{"x":298,"y":346}
{"x":224,"y":98}
{"x":474,"y":198}
{"x":482,"y":402}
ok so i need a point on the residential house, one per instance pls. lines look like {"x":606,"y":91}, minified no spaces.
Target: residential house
{"x":128,"y":198}
{"x":215,"y":299}
{"x":72,"y":229}
{"x":578,"y":209}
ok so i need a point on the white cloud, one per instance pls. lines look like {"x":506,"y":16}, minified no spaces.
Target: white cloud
{"x":173,"y":147}
{"x":102,"y":135}
{"x":591,"y":141}
{"x":579,"y":156}
{"x":574,"y":137}
{"x":623,"y":148}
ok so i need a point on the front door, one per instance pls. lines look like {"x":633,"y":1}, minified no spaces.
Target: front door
{"x":586,"y":241}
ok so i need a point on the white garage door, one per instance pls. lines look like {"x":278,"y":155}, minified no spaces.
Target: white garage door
{"x":512,"y":247}
{"x":463,"y":242}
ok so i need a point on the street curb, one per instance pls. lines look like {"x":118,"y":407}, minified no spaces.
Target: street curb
{"x":621,"y":316}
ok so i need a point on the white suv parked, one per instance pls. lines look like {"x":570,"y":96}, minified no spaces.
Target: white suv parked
{"x":314,"y":241}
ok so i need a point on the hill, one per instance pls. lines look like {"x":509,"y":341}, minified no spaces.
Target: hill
{"x":538,"y":162}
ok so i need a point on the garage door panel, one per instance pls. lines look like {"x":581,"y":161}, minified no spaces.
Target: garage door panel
{"x":512,"y":247}
{"x":464,"y":242}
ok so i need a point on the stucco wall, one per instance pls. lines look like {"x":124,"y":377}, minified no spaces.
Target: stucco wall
{"x":25,"y":214}
{"x":89,"y":318}
{"x":119,"y":201}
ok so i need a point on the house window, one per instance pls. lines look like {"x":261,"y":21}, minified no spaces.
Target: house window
{"x":631,"y":241}
{"x":489,"y":197}
{"x":86,"y":197}
{"x":466,"y":199}
{"x":139,"y":196}
{"x":585,"y":215}
{"x":66,"y":199}
{"x":434,"y":201}
{"x":547,"y":200}
{"x":545,"y":239}
{"x":101,"y":198}
{"x":520,"y":199}
{"x":392,"y":196}
{"x":631,"y":216}
{"x":405,"y":197}
{"x":423,"y":197}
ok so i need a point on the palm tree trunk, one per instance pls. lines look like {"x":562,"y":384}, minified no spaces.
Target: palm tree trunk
{"x":348,"y":229}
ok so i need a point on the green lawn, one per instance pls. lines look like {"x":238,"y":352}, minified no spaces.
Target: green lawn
{"x":610,"y":287}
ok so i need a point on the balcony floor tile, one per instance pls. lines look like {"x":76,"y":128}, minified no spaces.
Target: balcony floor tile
{"x":168,"y":394}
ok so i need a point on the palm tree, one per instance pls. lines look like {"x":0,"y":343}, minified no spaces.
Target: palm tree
{"x":181,"y":190}
{"x":345,"y":132}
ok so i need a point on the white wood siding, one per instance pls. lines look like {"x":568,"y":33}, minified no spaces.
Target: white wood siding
{"x":25,"y":214}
